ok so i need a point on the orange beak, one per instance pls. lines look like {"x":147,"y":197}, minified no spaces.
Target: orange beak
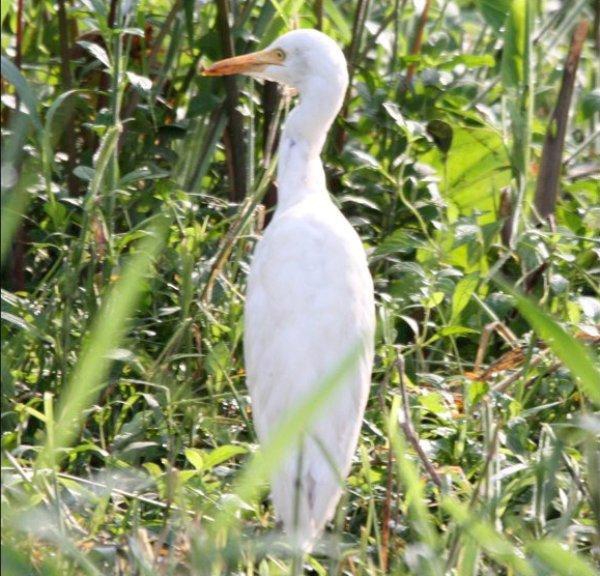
{"x":245,"y":64}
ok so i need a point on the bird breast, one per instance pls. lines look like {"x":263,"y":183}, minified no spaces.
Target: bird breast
{"x":309,"y":303}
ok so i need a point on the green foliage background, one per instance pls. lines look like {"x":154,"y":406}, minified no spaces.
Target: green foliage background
{"x":130,"y":207}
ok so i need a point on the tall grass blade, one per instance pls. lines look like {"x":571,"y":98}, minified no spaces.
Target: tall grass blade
{"x":561,"y":561}
{"x":105,"y":334}
{"x":493,"y":543}
{"x":567,"y":348}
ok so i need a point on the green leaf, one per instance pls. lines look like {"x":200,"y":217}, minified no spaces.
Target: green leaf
{"x":96,"y":51}
{"x":222,"y":454}
{"x":5,"y":7}
{"x":476,"y":391}
{"x":469,"y":60}
{"x":194,"y":457}
{"x":473,"y":171}
{"x":48,"y":135}
{"x":394,"y":111}
{"x":339,"y":21}
{"x":494,"y":12}
{"x":573,"y":354}
{"x":455,"y":331}
{"x":462,"y":294}
{"x":590,"y":103}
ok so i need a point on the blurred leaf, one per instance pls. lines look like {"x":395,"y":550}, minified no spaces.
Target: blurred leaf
{"x":590,"y":103}
{"x":477,"y":167}
{"x":141,"y":83}
{"x":221,"y":454}
{"x":12,"y":75}
{"x":194,"y":457}
{"x":561,"y":561}
{"x":574,"y":355}
{"x":441,"y":132}
{"x":338,"y":20}
{"x":494,"y":12}
{"x":462,"y":294}
{"x":5,"y":7}
{"x":494,"y":543}
{"x":96,"y":51}
{"x":394,"y":111}
{"x":469,"y":60}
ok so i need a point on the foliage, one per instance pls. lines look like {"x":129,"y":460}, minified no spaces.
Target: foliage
{"x":127,"y":442}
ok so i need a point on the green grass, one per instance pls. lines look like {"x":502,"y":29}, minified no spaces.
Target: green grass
{"x":127,"y":438}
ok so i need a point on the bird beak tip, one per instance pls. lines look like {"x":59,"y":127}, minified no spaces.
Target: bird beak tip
{"x":245,"y":64}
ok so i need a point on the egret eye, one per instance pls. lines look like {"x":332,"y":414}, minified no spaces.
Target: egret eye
{"x":280,"y":54}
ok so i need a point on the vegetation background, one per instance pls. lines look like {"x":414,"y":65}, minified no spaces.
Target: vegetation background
{"x":133,"y":191}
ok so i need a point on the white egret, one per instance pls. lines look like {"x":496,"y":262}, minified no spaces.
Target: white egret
{"x":309,"y":301}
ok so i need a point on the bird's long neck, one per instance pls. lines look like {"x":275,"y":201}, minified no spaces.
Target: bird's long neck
{"x":300,"y":171}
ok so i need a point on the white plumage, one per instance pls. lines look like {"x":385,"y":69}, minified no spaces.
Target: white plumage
{"x":309,"y":301}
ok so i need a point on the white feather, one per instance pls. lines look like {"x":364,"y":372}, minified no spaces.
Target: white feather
{"x":309,"y":300}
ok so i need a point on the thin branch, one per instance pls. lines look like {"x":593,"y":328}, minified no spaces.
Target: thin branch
{"x":389,"y":485}
{"x":408,"y":428}
{"x":319,"y":14}
{"x":417,"y":42}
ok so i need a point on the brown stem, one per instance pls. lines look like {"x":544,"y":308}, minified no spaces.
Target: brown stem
{"x":417,"y":42}
{"x":389,"y":485}
{"x":271,"y":100}
{"x":19,"y":34}
{"x":597,"y":27}
{"x":387,"y":511}
{"x":235,"y":141}
{"x":319,"y":14}
{"x":408,"y":428}
{"x":505,"y":213}
{"x":546,"y":193}
{"x":112,"y":13}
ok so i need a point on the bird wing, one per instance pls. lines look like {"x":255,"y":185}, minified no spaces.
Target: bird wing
{"x":309,"y":303}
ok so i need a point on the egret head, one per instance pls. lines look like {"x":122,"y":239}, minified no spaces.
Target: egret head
{"x":301,"y":59}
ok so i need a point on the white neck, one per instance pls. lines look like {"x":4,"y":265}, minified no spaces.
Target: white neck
{"x":300,"y":171}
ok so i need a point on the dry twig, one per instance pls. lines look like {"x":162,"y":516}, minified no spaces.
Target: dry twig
{"x":408,"y":428}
